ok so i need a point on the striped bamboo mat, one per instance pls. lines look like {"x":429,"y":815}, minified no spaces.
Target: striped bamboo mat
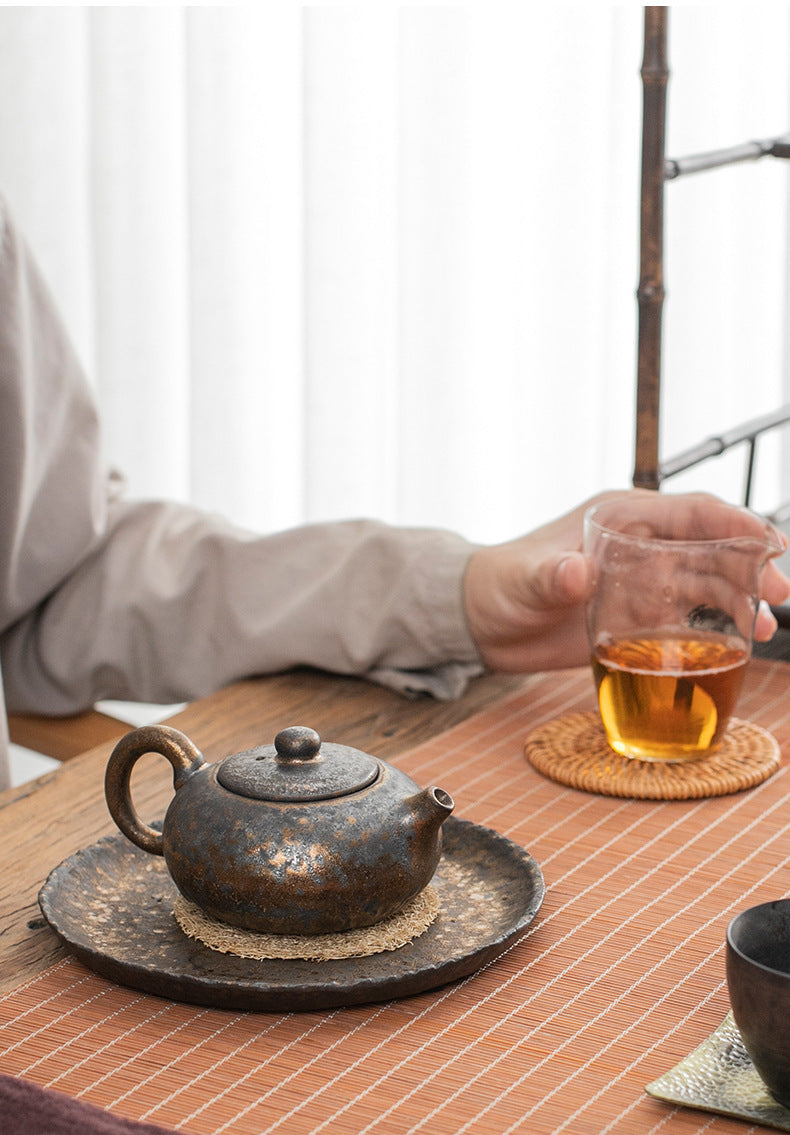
{"x":620,"y":977}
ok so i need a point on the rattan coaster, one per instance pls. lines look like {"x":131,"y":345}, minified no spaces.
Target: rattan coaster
{"x":412,"y":920}
{"x":573,"y":750}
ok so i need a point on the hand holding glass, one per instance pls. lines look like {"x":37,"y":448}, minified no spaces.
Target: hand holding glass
{"x":671,"y":618}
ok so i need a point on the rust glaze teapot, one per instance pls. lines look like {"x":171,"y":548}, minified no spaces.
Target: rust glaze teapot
{"x":298,"y":837}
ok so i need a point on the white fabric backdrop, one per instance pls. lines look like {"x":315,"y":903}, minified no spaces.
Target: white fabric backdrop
{"x":382,"y":260}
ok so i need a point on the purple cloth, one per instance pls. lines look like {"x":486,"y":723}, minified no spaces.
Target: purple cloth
{"x":27,"y":1109}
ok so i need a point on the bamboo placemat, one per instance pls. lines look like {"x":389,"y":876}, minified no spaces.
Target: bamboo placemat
{"x":620,"y":977}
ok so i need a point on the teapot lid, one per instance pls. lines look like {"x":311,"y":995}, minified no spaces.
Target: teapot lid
{"x":297,"y":768}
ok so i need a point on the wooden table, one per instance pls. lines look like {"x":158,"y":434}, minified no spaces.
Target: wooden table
{"x":620,"y":977}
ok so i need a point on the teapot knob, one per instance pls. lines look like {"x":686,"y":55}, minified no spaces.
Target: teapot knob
{"x":297,"y":743}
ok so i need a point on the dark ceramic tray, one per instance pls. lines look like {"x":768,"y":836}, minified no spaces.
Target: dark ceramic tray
{"x":112,"y":904}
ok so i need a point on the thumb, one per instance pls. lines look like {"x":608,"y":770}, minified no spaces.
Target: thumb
{"x":566,"y":580}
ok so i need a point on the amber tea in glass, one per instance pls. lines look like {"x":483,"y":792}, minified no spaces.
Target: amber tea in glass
{"x":670,"y":619}
{"x":667,"y":695}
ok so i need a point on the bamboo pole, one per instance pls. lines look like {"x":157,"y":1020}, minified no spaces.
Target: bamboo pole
{"x":650,"y":293}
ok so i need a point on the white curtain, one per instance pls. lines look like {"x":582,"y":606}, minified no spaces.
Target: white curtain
{"x":382,"y":260}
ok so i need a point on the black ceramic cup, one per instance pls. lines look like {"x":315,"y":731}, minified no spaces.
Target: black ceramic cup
{"x":758,"y":976}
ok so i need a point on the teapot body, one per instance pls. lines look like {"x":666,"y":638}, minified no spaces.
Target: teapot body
{"x":311,"y":868}
{"x":316,"y":861}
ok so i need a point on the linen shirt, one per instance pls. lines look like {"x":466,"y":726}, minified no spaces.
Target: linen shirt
{"x":156,"y":601}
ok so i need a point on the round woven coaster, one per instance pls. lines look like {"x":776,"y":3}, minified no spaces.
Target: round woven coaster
{"x":573,"y":750}
{"x":391,"y":933}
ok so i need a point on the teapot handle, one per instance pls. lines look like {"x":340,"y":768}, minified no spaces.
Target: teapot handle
{"x":185,"y":758}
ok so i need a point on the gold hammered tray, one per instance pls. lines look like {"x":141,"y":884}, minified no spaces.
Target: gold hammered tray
{"x":112,"y":904}
{"x":719,"y":1076}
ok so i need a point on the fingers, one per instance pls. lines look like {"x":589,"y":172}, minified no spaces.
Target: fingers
{"x":686,"y":516}
{"x":765,"y":624}
{"x":774,"y":585}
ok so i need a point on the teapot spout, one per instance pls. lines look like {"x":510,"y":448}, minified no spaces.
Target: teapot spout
{"x":433,"y":806}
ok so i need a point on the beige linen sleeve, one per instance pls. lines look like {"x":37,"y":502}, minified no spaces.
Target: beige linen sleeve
{"x":155,"y":601}
{"x":172,"y":604}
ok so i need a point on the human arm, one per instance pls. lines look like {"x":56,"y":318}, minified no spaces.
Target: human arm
{"x":101,"y":597}
{"x":172,"y":603}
